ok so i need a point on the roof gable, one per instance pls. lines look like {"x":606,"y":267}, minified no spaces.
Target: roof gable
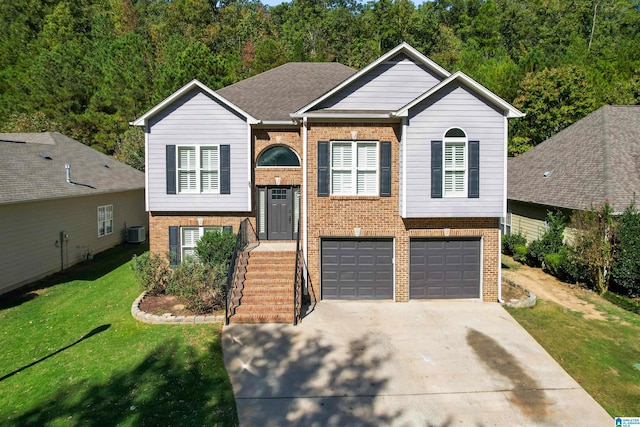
{"x":402,"y":52}
{"x":594,"y":160}
{"x":460,"y":78}
{"x":193,"y":84}
{"x":32,"y":167}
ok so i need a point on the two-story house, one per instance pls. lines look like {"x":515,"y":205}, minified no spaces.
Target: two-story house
{"x":392,"y":177}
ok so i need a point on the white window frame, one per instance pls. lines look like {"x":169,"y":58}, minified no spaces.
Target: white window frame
{"x":105,"y":220}
{"x":198,"y":169}
{"x":354,"y":169}
{"x":453,"y":169}
{"x":505,"y":224}
{"x":201,"y":231}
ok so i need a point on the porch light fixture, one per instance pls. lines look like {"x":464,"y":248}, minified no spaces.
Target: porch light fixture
{"x":200,"y":221}
{"x":354,"y":134}
{"x":277,"y":180}
{"x":356,"y":231}
{"x":446,"y":232}
{"x":278,"y":139}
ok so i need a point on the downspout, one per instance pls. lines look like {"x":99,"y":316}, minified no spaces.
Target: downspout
{"x":505,"y":132}
{"x":305,"y":137}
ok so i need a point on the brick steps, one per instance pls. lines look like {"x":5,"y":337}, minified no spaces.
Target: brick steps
{"x":267,"y":292}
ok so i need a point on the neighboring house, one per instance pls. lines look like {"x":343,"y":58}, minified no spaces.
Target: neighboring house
{"x":593,"y":161}
{"x":52,"y":216}
{"x":396,"y":172}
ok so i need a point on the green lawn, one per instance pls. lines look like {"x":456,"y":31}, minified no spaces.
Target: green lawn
{"x":71,"y":354}
{"x":600,"y":355}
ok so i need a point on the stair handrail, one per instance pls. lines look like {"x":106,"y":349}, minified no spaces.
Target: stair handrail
{"x":246,"y":235}
{"x":298,"y":280}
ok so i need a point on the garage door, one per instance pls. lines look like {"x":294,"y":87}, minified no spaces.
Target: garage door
{"x":357,"y":269}
{"x":444,"y":269}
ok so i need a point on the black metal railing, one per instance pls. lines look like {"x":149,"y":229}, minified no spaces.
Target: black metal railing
{"x":246,"y":235}
{"x":298,"y":280}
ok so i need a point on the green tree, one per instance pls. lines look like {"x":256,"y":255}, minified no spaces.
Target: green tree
{"x":552,"y":100}
{"x":625,"y":271}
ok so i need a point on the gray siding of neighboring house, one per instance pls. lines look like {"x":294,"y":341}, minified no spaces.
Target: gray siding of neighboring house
{"x":31,"y":233}
{"x":455,"y":106}
{"x":389,"y":86}
{"x":197,"y":119}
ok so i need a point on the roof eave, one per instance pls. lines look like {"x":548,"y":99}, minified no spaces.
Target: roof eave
{"x":319,"y":115}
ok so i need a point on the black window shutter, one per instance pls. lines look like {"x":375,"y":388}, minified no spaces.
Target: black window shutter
{"x":225,"y":169}
{"x":436,"y":169}
{"x":227,"y":228}
{"x":474,"y":170}
{"x":171,"y":169}
{"x":174,"y":245}
{"x":323,"y":168}
{"x":385,"y":169}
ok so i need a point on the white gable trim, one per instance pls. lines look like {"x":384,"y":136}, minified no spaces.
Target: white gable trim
{"x":142,"y":120}
{"x":404,"y":47}
{"x":509,"y":110}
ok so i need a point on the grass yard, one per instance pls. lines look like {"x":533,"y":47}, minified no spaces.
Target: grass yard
{"x":72,"y":354}
{"x":600,"y":355}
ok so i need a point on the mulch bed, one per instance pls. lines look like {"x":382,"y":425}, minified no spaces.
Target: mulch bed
{"x":511,"y":292}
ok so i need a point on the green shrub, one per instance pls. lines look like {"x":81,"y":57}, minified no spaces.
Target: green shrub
{"x":152,"y":273}
{"x":509,"y":241}
{"x":561,"y":265}
{"x":215,"y":249}
{"x":625,"y":270}
{"x":624,"y":302}
{"x":201,"y":286}
{"x":520,"y":253}
{"x":536,"y":251}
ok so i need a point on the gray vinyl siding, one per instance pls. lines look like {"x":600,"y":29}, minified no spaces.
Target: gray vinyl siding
{"x":530,"y":219}
{"x":197,"y":119}
{"x":30,"y":230}
{"x":389,"y":86}
{"x":454,"y":106}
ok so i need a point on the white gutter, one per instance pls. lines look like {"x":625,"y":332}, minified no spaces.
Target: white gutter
{"x":343,"y":116}
{"x":403,"y":146}
{"x":146,"y":166}
{"x":505,"y":132}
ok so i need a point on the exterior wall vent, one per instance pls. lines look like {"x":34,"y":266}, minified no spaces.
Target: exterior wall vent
{"x":136,"y":234}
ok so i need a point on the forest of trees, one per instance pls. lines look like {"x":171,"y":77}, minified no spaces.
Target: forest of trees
{"x":87,"y":68}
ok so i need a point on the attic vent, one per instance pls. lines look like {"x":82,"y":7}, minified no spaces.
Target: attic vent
{"x":400,"y":57}
{"x":547,"y":174}
{"x":46,"y":156}
{"x":105,"y":165}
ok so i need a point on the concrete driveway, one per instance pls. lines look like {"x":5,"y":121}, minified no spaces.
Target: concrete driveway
{"x":431,"y":363}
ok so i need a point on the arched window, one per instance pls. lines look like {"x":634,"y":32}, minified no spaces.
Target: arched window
{"x":455,"y":163}
{"x":279,"y":155}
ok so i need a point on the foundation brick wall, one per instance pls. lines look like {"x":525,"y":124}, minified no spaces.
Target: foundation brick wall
{"x":337,"y":216}
{"x":159,"y":225}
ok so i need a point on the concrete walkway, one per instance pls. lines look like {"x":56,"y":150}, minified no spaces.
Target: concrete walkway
{"x":431,"y":363}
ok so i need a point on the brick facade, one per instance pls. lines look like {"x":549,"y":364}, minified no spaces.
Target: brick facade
{"x":373,"y":216}
{"x":289,"y":176}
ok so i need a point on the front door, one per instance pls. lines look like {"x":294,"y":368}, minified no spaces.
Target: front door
{"x":279,"y":214}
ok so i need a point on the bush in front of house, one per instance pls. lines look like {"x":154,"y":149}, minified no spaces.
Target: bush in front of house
{"x":510,"y":241}
{"x":625,"y":270}
{"x":200,"y":286}
{"x":520,"y":253}
{"x":550,"y":242}
{"x":152,"y":273}
{"x":216,"y":248}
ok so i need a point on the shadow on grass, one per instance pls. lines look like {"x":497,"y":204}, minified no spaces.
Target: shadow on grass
{"x":282,"y":377}
{"x":173,"y":385}
{"x":102,"y":263}
{"x":91,"y":333}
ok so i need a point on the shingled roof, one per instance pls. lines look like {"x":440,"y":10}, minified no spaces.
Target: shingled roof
{"x":596,"y":159}
{"x":32,"y":167}
{"x":274,"y":94}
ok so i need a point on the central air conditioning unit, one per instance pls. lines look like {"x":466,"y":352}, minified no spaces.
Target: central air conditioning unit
{"x":136,"y":234}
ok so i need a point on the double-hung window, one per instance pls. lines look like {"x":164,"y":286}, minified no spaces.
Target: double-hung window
{"x":455,"y":163}
{"x":354,"y":168}
{"x":198,"y":169}
{"x":105,"y":220}
{"x":189,"y":239}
